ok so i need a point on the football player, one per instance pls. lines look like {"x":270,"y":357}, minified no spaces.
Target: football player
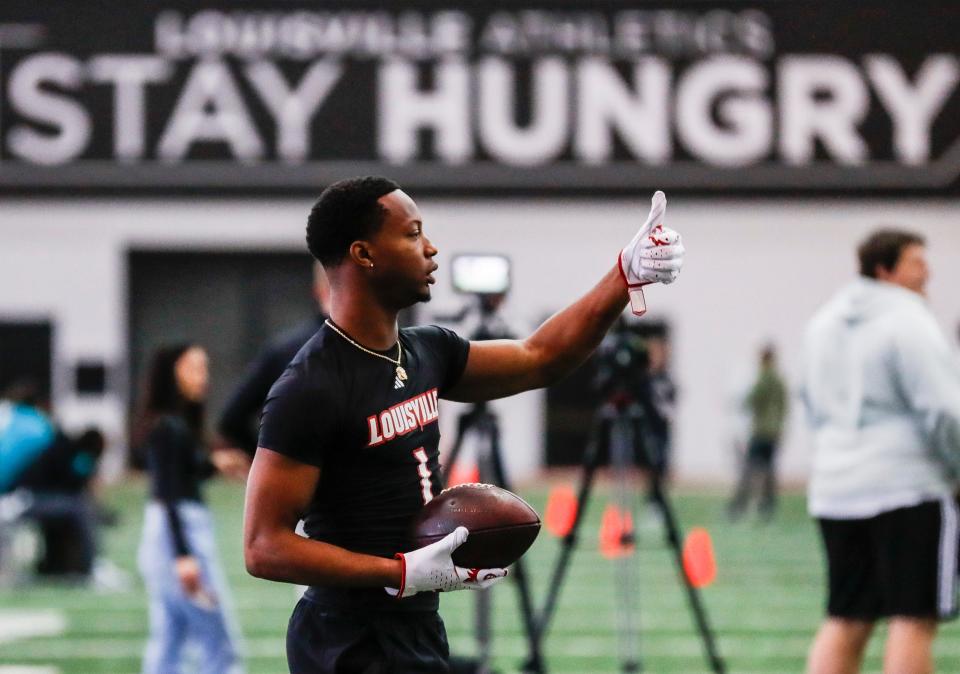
{"x":349,"y":434}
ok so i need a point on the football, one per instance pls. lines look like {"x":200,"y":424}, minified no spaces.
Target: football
{"x":502,"y":525}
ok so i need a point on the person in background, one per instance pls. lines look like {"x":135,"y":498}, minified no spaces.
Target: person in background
{"x":239,"y":419}
{"x":657,"y":397}
{"x":767,"y":405}
{"x":48,"y":475}
{"x":177,"y":555}
{"x":26,"y":431}
{"x":59,"y":496}
{"x":882,"y":389}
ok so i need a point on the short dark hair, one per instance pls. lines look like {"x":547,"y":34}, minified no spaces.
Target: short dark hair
{"x":883,"y":248}
{"x":346,"y":211}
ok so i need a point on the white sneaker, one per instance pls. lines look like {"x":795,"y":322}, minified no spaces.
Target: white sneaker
{"x":108,"y":577}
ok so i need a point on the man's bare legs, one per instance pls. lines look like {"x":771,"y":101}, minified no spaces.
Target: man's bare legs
{"x":838,"y":647}
{"x":909,"y":647}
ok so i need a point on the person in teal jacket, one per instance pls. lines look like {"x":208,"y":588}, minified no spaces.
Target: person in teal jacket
{"x":25,"y":433}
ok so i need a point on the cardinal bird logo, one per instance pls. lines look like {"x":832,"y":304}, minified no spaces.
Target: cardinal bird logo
{"x":473,"y":575}
{"x":658,"y":242}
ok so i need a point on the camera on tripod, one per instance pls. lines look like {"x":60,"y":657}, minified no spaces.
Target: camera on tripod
{"x":622,"y":362}
{"x":486,"y":277}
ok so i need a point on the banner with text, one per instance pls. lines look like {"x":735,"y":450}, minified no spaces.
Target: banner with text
{"x":606,"y":97}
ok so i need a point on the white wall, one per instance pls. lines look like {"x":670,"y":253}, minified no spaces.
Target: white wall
{"x":755,"y":271}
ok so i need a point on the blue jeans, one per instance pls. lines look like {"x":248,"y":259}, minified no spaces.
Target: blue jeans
{"x":175,"y":618}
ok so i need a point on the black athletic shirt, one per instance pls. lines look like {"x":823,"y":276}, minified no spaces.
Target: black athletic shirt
{"x":177,"y":465}
{"x":376,"y":442}
{"x":239,"y":416}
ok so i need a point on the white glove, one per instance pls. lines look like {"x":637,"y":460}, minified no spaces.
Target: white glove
{"x":654,"y":255}
{"x":431,"y":568}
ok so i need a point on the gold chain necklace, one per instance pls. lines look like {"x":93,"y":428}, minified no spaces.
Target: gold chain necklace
{"x":401,"y":373}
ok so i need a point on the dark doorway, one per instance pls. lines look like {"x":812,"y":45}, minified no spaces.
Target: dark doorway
{"x":230,"y":303}
{"x":26,"y":352}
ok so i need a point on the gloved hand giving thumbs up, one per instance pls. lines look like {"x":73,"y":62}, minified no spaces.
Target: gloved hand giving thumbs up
{"x":654,"y":255}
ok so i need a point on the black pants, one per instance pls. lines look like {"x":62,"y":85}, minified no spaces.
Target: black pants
{"x":68,"y":522}
{"x":325,"y":640}
{"x":759,"y":465}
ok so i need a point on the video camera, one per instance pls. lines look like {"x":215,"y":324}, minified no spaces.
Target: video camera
{"x":627,"y":354}
{"x":622,"y":361}
{"x":487,"y":278}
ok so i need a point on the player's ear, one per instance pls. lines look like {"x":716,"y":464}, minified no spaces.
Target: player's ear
{"x":361,"y":255}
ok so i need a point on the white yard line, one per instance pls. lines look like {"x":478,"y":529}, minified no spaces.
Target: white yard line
{"x":21,"y":624}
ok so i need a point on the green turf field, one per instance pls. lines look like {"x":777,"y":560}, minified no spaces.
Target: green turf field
{"x":765,"y":603}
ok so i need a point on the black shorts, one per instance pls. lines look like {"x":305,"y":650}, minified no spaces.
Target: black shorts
{"x":761,"y":451}
{"x":329,"y":640}
{"x":898,"y":563}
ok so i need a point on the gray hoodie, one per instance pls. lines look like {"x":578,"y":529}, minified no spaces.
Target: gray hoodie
{"x":882,"y":391}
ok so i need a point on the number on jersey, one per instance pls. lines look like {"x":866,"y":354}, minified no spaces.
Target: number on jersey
{"x":426,"y":488}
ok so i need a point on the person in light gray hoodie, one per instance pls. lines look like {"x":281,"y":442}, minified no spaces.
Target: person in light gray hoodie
{"x":882,"y":392}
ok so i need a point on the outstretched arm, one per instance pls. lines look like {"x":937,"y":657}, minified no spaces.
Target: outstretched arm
{"x":500,"y":368}
{"x":503,"y":367}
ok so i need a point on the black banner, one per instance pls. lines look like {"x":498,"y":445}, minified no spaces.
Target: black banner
{"x":500,"y":97}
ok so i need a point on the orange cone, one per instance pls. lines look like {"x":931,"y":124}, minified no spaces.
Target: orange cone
{"x":616,"y":533}
{"x":699,"y":562}
{"x":463,"y":474}
{"x":561,"y":511}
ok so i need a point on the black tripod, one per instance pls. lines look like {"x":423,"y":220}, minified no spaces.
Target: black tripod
{"x":482,"y":422}
{"x":618,"y":424}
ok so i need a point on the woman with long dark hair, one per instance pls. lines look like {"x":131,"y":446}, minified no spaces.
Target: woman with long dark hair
{"x":177,"y":556}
